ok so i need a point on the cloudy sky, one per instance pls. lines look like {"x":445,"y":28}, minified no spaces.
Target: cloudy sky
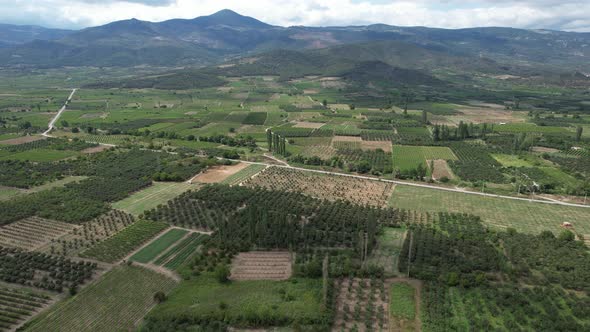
{"x":570,"y":15}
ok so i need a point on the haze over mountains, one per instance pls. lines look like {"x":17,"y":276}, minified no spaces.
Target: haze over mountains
{"x":226,"y":35}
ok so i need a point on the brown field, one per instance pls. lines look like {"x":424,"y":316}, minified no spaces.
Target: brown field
{"x":441,"y":168}
{"x":262,"y":265}
{"x":479,"y":115}
{"x":346,"y":139}
{"x":322,"y":151}
{"x":218,"y":173}
{"x":96,"y":149}
{"x":543,"y":149}
{"x":303,"y":124}
{"x":324,"y":186}
{"x":94,"y":115}
{"x":22,"y":140}
{"x":33,"y":232}
{"x":374,"y":145}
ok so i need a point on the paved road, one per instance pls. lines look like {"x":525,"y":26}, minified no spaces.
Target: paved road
{"x":56,"y":117}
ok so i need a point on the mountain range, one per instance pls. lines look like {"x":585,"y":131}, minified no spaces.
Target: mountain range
{"x":225,"y":36}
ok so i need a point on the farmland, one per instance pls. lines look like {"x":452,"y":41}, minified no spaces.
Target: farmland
{"x":152,"y":196}
{"x":121,"y":298}
{"x":529,"y":217}
{"x":323,"y":186}
{"x":117,"y":246}
{"x":261,"y":265}
{"x":156,"y":247}
{"x":254,"y":297}
{"x":255,"y":194}
{"x":18,"y":305}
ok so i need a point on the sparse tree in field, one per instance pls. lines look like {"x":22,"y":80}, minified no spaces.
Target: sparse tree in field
{"x":159,"y":297}
{"x":325,"y":103}
{"x":222,"y":273}
{"x":64,"y":123}
{"x":579,"y":131}
{"x":436,"y":133}
{"x":424,"y":117}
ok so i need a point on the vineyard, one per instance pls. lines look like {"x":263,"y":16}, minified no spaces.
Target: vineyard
{"x":17,"y":306}
{"x":117,"y":246}
{"x":261,"y":265}
{"x":324,"y":186}
{"x":361,"y":305}
{"x":89,"y":233}
{"x":32,"y":233}
{"x":119,"y":299}
{"x":43,"y":271}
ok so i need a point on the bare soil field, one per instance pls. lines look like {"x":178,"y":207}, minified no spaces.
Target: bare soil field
{"x":304,"y":124}
{"x":262,"y":265}
{"x":22,"y":140}
{"x":374,"y":145}
{"x":96,"y":149}
{"x":94,"y":115}
{"x":218,"y":173}
{"x":33,"y":232}
{"x":346,"y":139}
{"x":441,"y":169}
{"x":543,"y":149}
{"x":324,"y":186}
{"x":479,"y":115}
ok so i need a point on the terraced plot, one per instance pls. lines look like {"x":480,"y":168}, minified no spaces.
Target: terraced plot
{"x":118,"y":301}
{"x":32,"y":233}
{"x":261,"y":265}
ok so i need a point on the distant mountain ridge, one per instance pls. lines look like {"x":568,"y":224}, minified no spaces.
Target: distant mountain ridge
{"x":217,"y":38}
{"x":11,"y":35}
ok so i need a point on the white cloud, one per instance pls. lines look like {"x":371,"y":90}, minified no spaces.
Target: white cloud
{"x":552,"y":14}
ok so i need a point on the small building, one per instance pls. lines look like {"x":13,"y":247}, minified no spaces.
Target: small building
{"x":567,"y":224}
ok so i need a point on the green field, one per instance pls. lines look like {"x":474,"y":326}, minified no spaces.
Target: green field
{"x":243,"y":174}
{"x":123,"y":242}
{"x":402,"y":301}
{"x":116,"y":302}
{"x":409,"y":157}
{"x":524,"y":216}
{"x":151,"y":251}
{"x":389,"y":245}
{"x":244,"y":302}
{"x":152,"y":196}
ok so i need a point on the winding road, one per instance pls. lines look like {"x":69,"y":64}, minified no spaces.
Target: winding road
{"x":56,"y":117}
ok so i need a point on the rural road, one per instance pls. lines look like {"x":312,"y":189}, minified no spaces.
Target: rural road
{"x":405,"y":183}
{"x":56,"y":117}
